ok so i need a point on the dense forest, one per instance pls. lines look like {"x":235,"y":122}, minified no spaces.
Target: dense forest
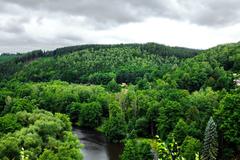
{"x":167,"y":102}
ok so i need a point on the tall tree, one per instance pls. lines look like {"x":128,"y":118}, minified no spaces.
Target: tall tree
{"x":210,"y":145}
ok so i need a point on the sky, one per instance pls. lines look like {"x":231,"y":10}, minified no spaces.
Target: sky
{"x":27,"y":25}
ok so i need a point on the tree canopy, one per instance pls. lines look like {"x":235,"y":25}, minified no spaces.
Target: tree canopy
{"x":130,"y":92}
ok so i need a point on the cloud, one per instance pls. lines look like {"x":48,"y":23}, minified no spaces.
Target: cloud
{"x":202,"y":12}
{"x":218,"y":13}
{"x":47,"y":24}
{"x":102,"y":12}
{"x":9,"y":25}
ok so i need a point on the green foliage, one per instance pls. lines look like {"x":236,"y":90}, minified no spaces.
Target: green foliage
{"x":3,"y":95}
{"x":152,"y":116}
{"x":200,"y":106}
{"x":100,"y":64}
{"x":210,"y":144}
{"x":165,"y":51}
{"x":101,"y":78}
{"x":48,"y":154}
{"x":56,"y":96}
{"x":193,"y":75}
{"x":170,"y":91}
{"x":228,"y":114}
{"x":137,"y":150}
{"x":180,"y":131}
{"x":90,"y":114}
{"x":226,"y":55}
{"x":190,"y":147}
{"x":113,"y":86}
{"x":170,"y":112}
{"x":228,"y":118}
{"x":14,"y":105}
{"x":9,"y":147}
{"x":171,"y":150}
{"x":141,"y":127}
{"x":115,"y":128}
{"x":73,"y":110}
{"x":143,"y":84}
{"x":23,"y":156}
{"x":16,"y":62}
{"x":7,"y":57}
{"x":168,"y":151}
{"x":43,"y":131}
{"x":9,"y":123}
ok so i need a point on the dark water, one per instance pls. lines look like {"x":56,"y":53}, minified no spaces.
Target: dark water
{"x":96,"y":147}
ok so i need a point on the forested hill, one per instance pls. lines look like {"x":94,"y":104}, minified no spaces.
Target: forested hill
{"x":153,"y":48}
{"x":7,"y":57}
{"x":104,"y":60}
{"x":126,"y":63}
{"x":180,"y":103}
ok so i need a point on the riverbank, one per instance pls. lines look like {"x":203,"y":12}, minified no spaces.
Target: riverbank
{"x":96,"y":147}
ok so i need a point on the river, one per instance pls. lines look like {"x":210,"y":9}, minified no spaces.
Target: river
{"x":96,"y":147}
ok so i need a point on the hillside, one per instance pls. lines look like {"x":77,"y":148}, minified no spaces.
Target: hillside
{"x":132,"y":93}
{"x":87,"y":63}
{"x":7,"y":57}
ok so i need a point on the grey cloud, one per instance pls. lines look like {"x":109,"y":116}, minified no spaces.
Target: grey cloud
{"x":71,"y":38}
{"x":212,"y":12}
{"x":202,"y":12}
{"x":13,"y":25}
{"x":24,"y":43}
{"x":41,"y":15}
{"x":100,"y":11}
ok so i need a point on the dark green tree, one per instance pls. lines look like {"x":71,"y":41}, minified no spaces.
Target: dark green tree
{"x":90,"y":114}
{"x":113,"y":86}
{"x":115,"y":128}
{"x":210,"y":144}
{"x":137,"y":150}
{"x":180,"y":131}
{"x":190,"y":147}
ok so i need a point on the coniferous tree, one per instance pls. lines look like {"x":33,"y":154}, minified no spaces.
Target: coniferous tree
{"x":210,"y":145}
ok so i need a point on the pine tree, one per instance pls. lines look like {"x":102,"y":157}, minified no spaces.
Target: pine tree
{"x":210,"y":146}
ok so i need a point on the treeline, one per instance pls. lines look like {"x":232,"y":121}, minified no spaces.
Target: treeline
{"x":153,"y":48}
{"x":129,"y":65}
{"x":20,"y":60}
{"x":12,"y":63}
{"x":125,"y":65}
{"x":165,"y":51}
{"x":228,"y":56}
{"x":5,"y":57}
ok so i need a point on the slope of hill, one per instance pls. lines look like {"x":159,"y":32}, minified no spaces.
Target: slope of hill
{"x":7,"y":57}
{"x":227,"y":55}
{"x":175,"y":93}
{"x":95,"y":63}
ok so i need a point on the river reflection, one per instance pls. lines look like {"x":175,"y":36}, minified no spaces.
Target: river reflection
{"x":96,"y":147}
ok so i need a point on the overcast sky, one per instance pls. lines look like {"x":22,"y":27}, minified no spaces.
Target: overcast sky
{"x":47,"y":24}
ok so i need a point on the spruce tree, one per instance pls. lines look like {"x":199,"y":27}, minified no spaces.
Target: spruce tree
{"x":210,"y":146}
